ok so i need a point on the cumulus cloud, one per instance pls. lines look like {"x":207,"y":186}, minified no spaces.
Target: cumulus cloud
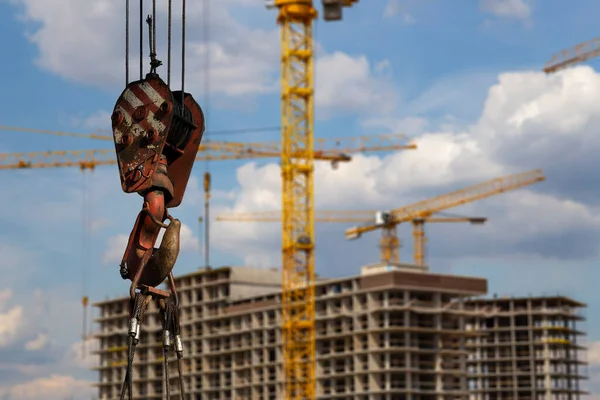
{"x":53,"y":387}
{"x":529,"y":120}
{"x":352,"y":84}
{"x":593,"y":358}
{"x":519,"y":9}
{"x":82,"y":354}
{"x":12,"y":319}
{"x":244,"y":60}
{"x":593,"y":353}
{"x":38,"y":343}
{"x":241,"y":57}
{"x":400,"y":8}
{"x":97,"y":121}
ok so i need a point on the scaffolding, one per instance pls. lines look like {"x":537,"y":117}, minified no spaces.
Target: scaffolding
{"x":528,"y":348}
{"x":382,"y":336}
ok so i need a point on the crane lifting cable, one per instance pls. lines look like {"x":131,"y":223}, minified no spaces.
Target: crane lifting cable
{"x":156,"y":134}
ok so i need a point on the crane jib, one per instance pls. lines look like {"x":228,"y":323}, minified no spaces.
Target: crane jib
{"x":467,"y":195}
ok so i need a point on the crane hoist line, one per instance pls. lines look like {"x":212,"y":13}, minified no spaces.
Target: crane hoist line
{"x":156,"y":134}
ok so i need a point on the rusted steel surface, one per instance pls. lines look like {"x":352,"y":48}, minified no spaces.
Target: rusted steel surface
{"x":180,"y":167}
{"x":161,"y":294}
{"x":163,"y":259}
{"x":141,"y":120}
{"x":156,"y":142}
{"x":143,"y":236}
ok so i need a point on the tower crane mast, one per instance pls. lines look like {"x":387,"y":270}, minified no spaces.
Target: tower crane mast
{"x":297,"y":164}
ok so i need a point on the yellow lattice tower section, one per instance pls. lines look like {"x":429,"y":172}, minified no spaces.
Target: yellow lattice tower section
{"x":297,"y":161}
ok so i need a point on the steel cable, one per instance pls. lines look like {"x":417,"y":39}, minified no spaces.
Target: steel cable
{"x":126,"y":42}
{"x":169,"y":22}
{"x":177,"y":332}
{"x":138,"y":310}
{"x":183,"y":52}
{"x":141,"y":38}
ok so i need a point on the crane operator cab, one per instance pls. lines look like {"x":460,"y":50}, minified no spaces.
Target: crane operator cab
{"x":383,"y":217}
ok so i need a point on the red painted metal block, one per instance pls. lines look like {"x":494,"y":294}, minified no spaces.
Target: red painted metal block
{"x":141,"y":121}
{"x":180,"y":167}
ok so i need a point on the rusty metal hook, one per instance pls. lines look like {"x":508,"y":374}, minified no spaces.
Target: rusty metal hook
{"x":153,"y":217}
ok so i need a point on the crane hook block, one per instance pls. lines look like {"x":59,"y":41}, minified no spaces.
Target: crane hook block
{"x":151,"y":124}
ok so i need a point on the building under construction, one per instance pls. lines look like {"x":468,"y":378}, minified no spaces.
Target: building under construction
{"x":389,"y":333}
{"x":385,"y":334}
{"x":528,"y":348}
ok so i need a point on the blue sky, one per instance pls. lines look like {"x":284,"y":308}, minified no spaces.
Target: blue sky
{"x":463,"y":82}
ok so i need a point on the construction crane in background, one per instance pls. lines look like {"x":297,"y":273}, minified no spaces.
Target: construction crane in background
{"x":417,"y":213}
{"x":575,"y":55}
{"x":207,"y":180}
{"x":332,"y":150}
{"x":297,"y":167}
{"x":361,"y":217}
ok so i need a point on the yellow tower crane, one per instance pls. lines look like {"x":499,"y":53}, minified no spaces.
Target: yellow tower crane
{"x":417,"y":213}
{"x":356,"y":216}
{"x":297,"y":158}
{"x":574,"y":55}
{"x":333,"y":150}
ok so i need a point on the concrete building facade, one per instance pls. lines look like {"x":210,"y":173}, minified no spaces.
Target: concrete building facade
{"x":392,"y":332}
{"x":527,"y":348}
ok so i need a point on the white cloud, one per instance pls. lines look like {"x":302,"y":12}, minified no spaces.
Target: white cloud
{"x":351,"y":84}
{"x":12,"y":319}
{"x":519,"y":9}
{"x":244,"y":60}
{"x":593,"y":353}
{"x":98,"y":120}
{"x":529,"y":121}
{"x":80,"y":354}
{"x":115,"y":248}
{"x":115,"y":245}
{"x":401,"y":7}
{"x":40,"y":342}
{"x":53,"y":387}
{"x":593,"y":358}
